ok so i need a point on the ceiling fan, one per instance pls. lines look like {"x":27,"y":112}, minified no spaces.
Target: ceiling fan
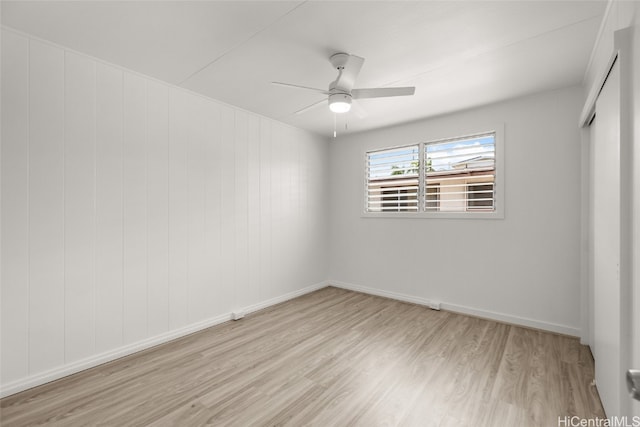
{"x":341,"y":92}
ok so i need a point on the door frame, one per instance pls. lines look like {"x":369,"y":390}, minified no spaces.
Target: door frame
{"x":621,"y":54}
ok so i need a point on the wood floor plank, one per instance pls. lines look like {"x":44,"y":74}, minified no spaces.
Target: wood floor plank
{"x":330,"y":358}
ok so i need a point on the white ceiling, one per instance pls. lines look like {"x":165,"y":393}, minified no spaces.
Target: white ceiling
{"x":458,"y":54}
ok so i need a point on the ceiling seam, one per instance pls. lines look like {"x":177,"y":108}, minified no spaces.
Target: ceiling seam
{"x":488,"y":51}
{"x":239,"y":44}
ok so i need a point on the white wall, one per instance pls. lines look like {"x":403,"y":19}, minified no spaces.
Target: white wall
{"x":134,"y":211}
{"x":524,"y":268}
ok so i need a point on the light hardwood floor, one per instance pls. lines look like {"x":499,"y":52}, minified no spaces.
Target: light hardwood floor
{"x":330,"y":358}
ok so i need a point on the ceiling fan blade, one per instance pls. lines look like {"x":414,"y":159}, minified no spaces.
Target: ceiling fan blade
{"x":322,"y":91}
{"x":357,"y":110}
{"x":309,"y":107}
{"x":382,"y":92}
{"x":347,"y":77}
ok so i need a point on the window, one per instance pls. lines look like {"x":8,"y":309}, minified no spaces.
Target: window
{"x":464,"y":171}
{"x":393,"y":180}
{"x":452,"y":176}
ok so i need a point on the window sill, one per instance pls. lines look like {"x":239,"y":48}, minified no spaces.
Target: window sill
{"x":435,"y":215}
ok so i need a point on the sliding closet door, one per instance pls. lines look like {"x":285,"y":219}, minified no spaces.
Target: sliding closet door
{"x":605,"y":184}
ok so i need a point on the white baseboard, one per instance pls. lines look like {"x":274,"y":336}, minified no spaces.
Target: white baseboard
{"x":500,"y":317}
{"x":285,"y":297}
{"x":108,"y":356}
{"x":90,"y":362}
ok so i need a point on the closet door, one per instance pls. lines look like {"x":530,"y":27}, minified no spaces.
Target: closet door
{"x":605,"y":184}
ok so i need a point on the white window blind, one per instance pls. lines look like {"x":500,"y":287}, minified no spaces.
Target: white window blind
{"x":393,"y":180}
{"x":463,"y":172}
{"x":454,"y":175}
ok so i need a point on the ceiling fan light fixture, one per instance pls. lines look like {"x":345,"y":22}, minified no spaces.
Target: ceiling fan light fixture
{"x":340,"y":102}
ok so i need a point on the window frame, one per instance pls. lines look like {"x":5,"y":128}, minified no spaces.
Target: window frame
{"x":499,"y":181}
